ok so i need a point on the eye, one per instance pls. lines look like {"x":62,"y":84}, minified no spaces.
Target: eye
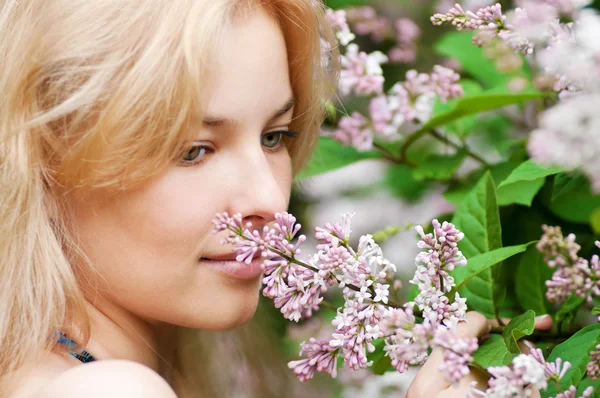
{"x":194,"y":155}
{"x":273,"y":139}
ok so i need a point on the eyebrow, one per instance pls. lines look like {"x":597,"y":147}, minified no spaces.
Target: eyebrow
{"x":216,"y":121}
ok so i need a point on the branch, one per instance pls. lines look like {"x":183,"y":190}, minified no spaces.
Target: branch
{"x":465,"y":148}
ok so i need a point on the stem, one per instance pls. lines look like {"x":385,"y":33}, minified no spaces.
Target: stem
{"x":409,"y":141}
{"x":387,"y":154}
{"x":465,"y":148}
{"x":328,"y":305}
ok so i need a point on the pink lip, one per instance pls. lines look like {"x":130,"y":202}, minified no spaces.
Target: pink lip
{"x":236,"y":269}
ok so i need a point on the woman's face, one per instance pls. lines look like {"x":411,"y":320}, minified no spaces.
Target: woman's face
{"x":147,"y":243}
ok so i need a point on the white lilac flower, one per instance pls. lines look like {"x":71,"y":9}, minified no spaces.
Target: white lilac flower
{"x":568,"y":136}
{"x":381,"y":293}
{"x":361,"y":73}
{"x":337,"y":20}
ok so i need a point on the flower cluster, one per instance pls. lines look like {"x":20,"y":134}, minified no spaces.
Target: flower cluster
{"x":399,"y":112}
{"x":593,"y":367}
{"x":365,"y":276}
{"x":566,"y":58}
{"x":407,"y":104}
{"x":574,"y":274}
{"x":365,"y":21}
{"x":526,"y":372}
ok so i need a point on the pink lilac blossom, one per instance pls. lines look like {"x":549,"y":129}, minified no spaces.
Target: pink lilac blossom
{"x":337,"y":20}
{"x":489,"y":21}
{"x":365,"y":21}
{"x":568,"y":137}
{"x":361,"y":73}
{"x":572,"y":393}
{"x":320,"y":357}
{"x":355,"y":131}
{"x":573,"y":275}
{"x":593,"y":367}
{"x":526,"y":373}
{"x":440,"y":256}
{"x":297,"y":288}
{"x":573,"y":53}
{"x":411,"y":102}
{"x":407,"y":34}
{"x":456,"y":353}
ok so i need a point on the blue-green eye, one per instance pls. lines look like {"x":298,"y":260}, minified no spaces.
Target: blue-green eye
{"x":273,"y":138}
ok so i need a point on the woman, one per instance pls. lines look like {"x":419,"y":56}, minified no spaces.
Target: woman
{"x":125,"y":126}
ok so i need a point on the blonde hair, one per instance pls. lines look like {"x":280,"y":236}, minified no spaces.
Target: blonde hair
{"x":99,"y":96}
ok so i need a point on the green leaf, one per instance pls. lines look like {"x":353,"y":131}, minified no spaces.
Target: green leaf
{"x":439,"y":167}
{"x":457,"y":192}
{"x":518,"y":327}
{"x":331,"y":154}
{"x":567,"y":182}
{"x":596,"y":310}
{"x":530,"y":281}
{"x":569,"y":308}
{"x":521,"y":192}
{"x":337,"y":4}
{"x":478,"y":218}
{"x":483,"y":262}
{"x":595,"y":220}
{"x":462,"y":127}
{"x":577,"y":351}
{"x":459,"y":45}
{"x":576,"y":205}
{"x":467,"y":106}
{"x":585,"y":383}
{"x":400,"y":181}
{"x":523,"y":183}
{"x":493,"y":352}
{"x":478,"y":281}
{"x":381,"y":362}
{"x":529,"y":171}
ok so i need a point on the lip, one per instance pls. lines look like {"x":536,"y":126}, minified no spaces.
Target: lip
{"x":235,"y":269}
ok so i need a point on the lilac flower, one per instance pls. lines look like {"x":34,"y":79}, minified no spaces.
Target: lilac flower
{"x":407,"y":34}
{"x":553,"y":370}
{"x":320,"y":357}
{"x":365,"y":21}
{"x":456,"y":352}
{"x":574,"y":274}
{"x":381,"y":293}
{"x":408,"y":341}
{"x":337,"y":20}
{"x":593,"y":367}
{"x":354,"y":131}
{"x":489,"y":21}
{"x":361,"y":73}
{"x":525,"y":372}
{"x":330,"y":231}
{"x":572,"y":393}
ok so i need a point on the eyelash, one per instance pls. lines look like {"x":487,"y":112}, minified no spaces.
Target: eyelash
{"x":188,"y":163}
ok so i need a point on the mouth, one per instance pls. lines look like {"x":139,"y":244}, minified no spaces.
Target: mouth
{"x":232,"y":268}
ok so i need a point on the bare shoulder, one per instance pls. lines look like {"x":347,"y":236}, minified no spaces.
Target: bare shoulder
{"x":114,"y":378}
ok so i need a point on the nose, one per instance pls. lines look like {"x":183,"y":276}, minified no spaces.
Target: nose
{"x":262,"y":187}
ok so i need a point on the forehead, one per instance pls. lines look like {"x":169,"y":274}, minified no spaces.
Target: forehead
{"x":250,"y":77}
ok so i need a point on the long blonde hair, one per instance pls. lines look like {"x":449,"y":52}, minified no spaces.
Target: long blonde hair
{"x":99,"y":96}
